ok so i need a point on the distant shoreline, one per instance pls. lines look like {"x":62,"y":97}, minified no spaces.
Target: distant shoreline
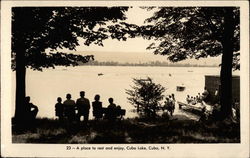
{"x":149,"y":65}
{"x":153,"y":64}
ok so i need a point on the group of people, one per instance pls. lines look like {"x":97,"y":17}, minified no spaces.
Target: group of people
{"x":198,"y":98}
{"x":72,"y":110}
{"x":194,"y":99}
{"x":169,"y":104}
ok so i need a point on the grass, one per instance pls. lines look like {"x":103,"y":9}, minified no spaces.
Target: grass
{"x":134,"y":131}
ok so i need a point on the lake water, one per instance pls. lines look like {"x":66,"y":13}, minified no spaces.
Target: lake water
{"x":44,"y":87}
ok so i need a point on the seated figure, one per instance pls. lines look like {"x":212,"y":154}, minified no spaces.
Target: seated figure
{"x":120,"y":112}
{"x":31,"y":109}
{"x":97,"y":107}
{"x":111,"y":110}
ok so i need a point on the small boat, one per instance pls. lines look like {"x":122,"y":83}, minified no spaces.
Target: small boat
{"x":197,"y":109}
{"x":180,"y":88}
{"x":100,"y":74}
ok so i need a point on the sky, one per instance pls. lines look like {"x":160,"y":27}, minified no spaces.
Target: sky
{"x":132,"y":50}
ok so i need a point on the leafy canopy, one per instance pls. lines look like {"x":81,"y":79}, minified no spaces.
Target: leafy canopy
{"x":40,"y":31}
{"x":190,"y":32}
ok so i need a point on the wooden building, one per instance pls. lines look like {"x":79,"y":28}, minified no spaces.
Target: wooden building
{"x":212,"y":83}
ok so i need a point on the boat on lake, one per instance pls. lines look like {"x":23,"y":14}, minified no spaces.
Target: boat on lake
{"x":180,"y":88}
{"x":198,"y":108}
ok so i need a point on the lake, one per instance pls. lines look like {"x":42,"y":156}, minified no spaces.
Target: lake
{"x":44,"y":87}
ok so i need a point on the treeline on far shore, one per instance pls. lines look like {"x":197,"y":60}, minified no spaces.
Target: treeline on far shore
{"x":151,"y":63}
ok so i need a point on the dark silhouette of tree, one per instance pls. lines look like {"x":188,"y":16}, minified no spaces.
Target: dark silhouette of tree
{"x":145,"y":96}
{"x":38,"y":33}
{"x":199,"y":32}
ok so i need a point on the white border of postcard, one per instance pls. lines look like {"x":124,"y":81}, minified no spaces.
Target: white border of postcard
{"x":175,"y":150}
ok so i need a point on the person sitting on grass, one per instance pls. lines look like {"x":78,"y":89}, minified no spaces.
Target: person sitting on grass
{"x":111,"y":110}
{"x":32,"y":109}
{"x":97,"y":107}
{"x":118,"y":112}
{"x":59,"y":108}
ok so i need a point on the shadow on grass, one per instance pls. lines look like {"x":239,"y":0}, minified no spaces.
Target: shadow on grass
{"x":128,"y":131}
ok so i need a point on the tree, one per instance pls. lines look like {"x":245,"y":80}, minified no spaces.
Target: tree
{"x":145,"y":96}
{"x":198,"y":32}
{"x":38,"y":33}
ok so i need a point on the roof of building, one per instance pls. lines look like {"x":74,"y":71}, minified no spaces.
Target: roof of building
{"x":234,"y":76}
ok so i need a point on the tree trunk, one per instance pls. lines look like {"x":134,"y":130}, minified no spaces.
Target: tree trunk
{"x":20,"y":111}
{"x":226,"y":66}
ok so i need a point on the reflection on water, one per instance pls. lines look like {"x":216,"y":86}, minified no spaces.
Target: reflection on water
{"x":44,"y":87}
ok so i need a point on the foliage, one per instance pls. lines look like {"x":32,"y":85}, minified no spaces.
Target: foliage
{"x":129,"y":131}
{"x":191,"y":32}
{"x":145,"y":96}
{"x":41,"y":31}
